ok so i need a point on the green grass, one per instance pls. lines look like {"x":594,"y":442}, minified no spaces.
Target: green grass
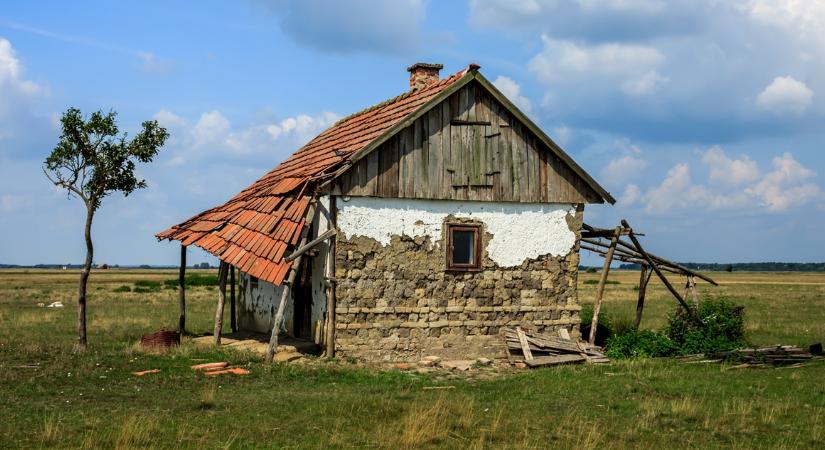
{"x":56,"y":398}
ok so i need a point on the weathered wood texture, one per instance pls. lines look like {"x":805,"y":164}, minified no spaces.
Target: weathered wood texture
{"x":467,"y":148}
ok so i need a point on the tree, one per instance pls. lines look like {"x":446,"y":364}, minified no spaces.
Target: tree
{"x":92,"y":160}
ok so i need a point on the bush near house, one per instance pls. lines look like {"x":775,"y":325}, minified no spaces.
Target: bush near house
{"x":721,"y":327}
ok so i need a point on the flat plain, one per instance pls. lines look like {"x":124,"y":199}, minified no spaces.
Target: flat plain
{"x":53,"y":397}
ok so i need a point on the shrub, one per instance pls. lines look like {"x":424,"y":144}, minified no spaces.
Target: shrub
{"x":193,"y":280}
{"x":147,"y":285}
{"x":123,"y":288}
{"x":721,"y":327}
{"x":597,"y":282}
{"x":635,"y":343}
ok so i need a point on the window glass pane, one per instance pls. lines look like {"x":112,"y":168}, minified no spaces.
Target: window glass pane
{"x":463,"y":251}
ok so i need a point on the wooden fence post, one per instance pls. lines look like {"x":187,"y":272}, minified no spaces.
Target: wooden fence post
{"x":232,"y":320}
{"x":293,"y":272}
{"x":608,"y":259}
{"x":182,"y":291}
{"x":224,"y":268}
{"x":644,"y":278}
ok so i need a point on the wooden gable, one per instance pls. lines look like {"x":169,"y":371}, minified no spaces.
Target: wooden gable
{"x":470,"y":146}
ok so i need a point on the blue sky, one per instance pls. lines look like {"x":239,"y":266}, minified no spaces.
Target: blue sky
{"x":704,"y":118}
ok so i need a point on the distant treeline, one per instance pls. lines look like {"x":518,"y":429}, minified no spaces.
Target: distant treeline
{"x":747,"y":267}
{"x":99,"y":266}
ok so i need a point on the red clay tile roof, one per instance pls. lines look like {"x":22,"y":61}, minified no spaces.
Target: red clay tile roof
{"x":257,"y":228}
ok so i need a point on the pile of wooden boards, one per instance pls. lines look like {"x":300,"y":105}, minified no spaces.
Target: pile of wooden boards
{"x":776,"y":355}
{"x":536,"y":350}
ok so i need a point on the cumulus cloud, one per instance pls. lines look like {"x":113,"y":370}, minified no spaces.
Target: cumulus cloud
{"x":351,"y":26}
{"x":213,"y":134}
{"x":725,"y":170}
{"x":562,"y":60}
{"x":512,"y":90}
{"x":620,"y":170}
{"x":646,"y":84}
{"x":785,"y":95}
{"x":14,"y":88}
{"x":787,"y":185}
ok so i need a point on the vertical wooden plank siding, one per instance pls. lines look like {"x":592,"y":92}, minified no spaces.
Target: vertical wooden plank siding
{"x":467,"y":148}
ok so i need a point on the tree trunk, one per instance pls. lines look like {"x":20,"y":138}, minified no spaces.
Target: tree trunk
{"x":84,"y":279}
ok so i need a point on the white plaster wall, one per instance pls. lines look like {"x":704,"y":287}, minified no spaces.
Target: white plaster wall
{"x":520,"y":230}
{"x":257,"y":306}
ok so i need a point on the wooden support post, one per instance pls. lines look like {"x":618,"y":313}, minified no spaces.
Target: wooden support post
{"x":690,"y":288}
{"x":224,"y":268}
{"x":644,"y":278}
{"x":232,"y":319}
{"x":182,"y":292}
{"x":597,"y":306}
{"x":329,"y":337}
{"x":285,"y":295}
{"x":659,"y":272}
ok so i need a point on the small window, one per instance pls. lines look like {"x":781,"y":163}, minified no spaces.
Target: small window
{"x":463,"y":247}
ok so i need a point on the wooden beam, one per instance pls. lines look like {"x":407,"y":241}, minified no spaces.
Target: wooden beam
{"x":525,"y":347}
{"x":329,"y":338}
{"x":659,"y":273}
{"x":597,"y":306}
{"x":224,"y":268}
{"x":233,"y":320}
{"x":285,"y":295}
{"x":663,"y":261}
{"x":644,"y":278}
{"x":182,"y":292}
{"x":309,"y":245}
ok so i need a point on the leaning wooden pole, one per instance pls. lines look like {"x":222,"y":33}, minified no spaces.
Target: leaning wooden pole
{"x":644,"y":278}
{"x":232,"y":320}
{"x":182,"y":291}
{"x":224,"y":268}
{"x":597,"y":306}
{"x":658,"y":272}
{"x":285,"y":295}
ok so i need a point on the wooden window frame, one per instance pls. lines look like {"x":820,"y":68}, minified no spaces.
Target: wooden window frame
{"x":476,"y":264}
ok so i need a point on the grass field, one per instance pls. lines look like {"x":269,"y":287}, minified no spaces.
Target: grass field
{"x":52,"y":397}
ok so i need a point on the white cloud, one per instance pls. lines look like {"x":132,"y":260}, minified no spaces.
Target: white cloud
{"x":214,"y":134}
{"x":644,"y":85}
{"x":724,"y":170}
{"x":786,"y":185}
{"x":512,"y":90}
{"x":630,"y":196}
{"x":629,"y":66}
{"x":620,"y":170}
{"x":14,"y":87}
{"x":784,"y":95}
{"x":789,"y":184}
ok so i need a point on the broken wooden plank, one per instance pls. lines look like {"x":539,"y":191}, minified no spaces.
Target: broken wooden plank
{"x":554,"y":360}
{"x":525,"y":347}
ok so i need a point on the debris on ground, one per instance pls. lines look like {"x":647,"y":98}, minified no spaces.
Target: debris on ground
{"x":234,"y":370}
{"x":161,"y":339}
{"x":528,"y":349}
{"x":55,"y":305}
{"x":145,"y":372}
{"x":210,"y":366}
{"x":777,"y":355}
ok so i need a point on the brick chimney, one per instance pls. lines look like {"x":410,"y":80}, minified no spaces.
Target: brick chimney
{"x":423,"y":75}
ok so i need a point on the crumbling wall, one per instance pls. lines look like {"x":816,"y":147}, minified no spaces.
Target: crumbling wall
{"x":395,"y":300}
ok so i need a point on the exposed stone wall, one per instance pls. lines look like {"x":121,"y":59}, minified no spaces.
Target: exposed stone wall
{"x":397,"y":301}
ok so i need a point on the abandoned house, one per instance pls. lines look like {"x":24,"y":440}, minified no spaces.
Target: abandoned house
{"x":422,"y":225}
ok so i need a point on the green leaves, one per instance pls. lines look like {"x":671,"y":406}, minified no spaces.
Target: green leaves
{"x":92,"y":159}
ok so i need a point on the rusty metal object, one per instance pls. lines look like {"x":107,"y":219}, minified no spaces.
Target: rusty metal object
{"x":163,"y":338}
